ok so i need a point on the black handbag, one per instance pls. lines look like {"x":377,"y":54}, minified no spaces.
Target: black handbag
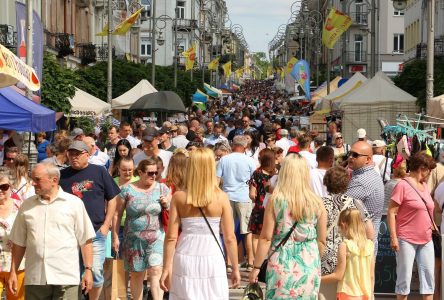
{"x":436,"y":235}
{"x":263,"y":270}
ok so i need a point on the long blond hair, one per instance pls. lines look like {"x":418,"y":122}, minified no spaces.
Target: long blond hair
{"x":201,"y":178}
{"x":294,"y":187}
{"x":354,"y":228}
{"x":177,"y":169}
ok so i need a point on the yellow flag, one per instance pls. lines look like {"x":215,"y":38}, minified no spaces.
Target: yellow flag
{"x":282,"y":73}
{"x":336,"y":24}
{"x":227,"y":69}
{"x":239,"y":72}
{"x":290,"y":64}
{"x":269,"y":70}
{"x":213,"y":64}
{"x":190,"y":56}
{"x":123,"y":27}
{"x":104,"y":31}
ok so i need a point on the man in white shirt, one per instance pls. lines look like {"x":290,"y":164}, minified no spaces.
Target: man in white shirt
{"x":284,"y":143}
{"x":382,"y":163}
{"x":304,"y":146}
{"x":125,"y":133}
{"x":216,"y":136}
{"x":96,"y":157}
{"x":52,"y":246}
{"x":325,"y":157}
{"x":180,"y":141}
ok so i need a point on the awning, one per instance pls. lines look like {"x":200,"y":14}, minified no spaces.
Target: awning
{"x":125,"y":100}
{"x":200,"y":96}
{"x":86,"y":105}
{"x":19,"y":113}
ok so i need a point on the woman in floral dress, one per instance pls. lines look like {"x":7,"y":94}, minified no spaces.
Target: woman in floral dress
{"x":294,"y":270}
{"x":143,"y":235}
{"x":259,"y":185}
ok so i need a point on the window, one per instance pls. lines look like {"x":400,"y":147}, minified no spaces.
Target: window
{"x":146,"y":13}
{"x":145,"y":46}
{"x":398,"y":12}
{"x":181,"y":45}
{"x":398,"y":43}
{"x":359,"y":53}
{"x":180,"y":12}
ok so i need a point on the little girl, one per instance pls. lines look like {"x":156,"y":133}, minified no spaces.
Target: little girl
{"x":355,"y":268}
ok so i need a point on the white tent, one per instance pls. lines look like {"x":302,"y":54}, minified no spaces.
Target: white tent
{"x":334,"y":98}
{"x":125,"y":100}
{"x":84,"y":104}
{"x":435,"y":107}
{"x":375,"y":99}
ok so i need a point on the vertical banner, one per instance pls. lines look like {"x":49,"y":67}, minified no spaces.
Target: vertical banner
{"x":37,"y":37}
{"x":335,"y":25}
{"x":301,"y":72}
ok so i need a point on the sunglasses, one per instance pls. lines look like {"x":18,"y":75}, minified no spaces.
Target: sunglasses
{"x":4,"y":187}
{"x":151,"y":174}
{"x":9,"y":159}
{"x":355,"y":154}
{"x":339,"y":138}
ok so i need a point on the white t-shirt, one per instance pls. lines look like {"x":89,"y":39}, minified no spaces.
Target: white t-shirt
{"x":284,"y":143}
{"x":310,"y":157}
{"x":379,"y":161}
{"x":439,"y":197}
{"x":164,"y":155}
{"x":317,"y":182}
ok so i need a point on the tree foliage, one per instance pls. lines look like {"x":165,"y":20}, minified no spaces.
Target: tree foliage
{"x":413,"y":79}
{"x":259,"y":59}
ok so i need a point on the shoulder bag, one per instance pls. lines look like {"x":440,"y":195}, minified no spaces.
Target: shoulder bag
{"x":263,"y":269}
{"x":436,"y":235}
{"x":212,"y":232}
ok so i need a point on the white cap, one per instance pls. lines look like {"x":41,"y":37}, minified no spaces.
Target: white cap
{"x":361,"y":133}
{"x":378,"y":144}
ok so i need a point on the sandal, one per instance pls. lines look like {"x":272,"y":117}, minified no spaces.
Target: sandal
{"x":229,"y":268}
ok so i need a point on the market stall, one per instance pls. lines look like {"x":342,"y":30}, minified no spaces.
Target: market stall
{"x":86,"y":105}
{"x":125,"y":100}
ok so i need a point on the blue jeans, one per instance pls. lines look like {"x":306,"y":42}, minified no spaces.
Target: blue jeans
{"x":99,"y":245}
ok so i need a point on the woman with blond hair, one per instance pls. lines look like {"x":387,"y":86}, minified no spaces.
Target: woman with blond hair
{"x":22,"y":187}
{"x":294,"y":269}
{"x":176,"y":174}
{"x":194,"y":265}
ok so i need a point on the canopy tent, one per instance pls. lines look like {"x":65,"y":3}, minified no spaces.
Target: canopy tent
{"x":332,"y":100}
{"x":163,"y":101}
{"x":86,"y":105}
{"x":212,"y":91}
{"x":19,"y":113}
{"x":435,"y":107}
{"x":125,"y":100}
{"x":200,"y":96}
{"x":375,"y":99}
{"x":322,"y":92}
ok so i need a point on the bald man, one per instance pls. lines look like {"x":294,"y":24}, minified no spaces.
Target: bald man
{"x":366,"y":184}
{"x":96,"y":157}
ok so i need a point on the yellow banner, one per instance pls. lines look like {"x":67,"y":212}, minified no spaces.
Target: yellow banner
{"x":104,"y":31}
{"x":14,"y":70}
{"x":190,"y":56}
{"x":123,"y":27}
{"x":239,"y":72}
{"x":213,"y":64}
{"x":227,"y":69}
{"x":290,"y":64}
{"x":336,"y":24}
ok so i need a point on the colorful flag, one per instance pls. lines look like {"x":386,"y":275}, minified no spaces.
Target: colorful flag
{"x":190,"y":56}
{"x":239,"y":72}
{"x":290,"y":64}
{"x":214,"y":64}
{"x":200,"y":105}
{"x":123,"y":27}
{"x":301,"y":72}
{"x":336,"y":24}
{"x":104,"y":31}
{"x":227,"y":69}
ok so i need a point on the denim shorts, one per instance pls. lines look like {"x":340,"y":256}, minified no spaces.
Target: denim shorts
{"x":99,"y":245}
{"x":425,"y":260}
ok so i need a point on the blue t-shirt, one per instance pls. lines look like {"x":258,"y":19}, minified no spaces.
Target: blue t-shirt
{"x":94,"y":186}
{"x":41,"y":149}
{"x":236,"y":169}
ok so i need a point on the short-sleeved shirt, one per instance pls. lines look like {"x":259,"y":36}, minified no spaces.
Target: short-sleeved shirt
{"x":235,"y":170}
{"x":94,"y":186}
{"x":413,"y":222}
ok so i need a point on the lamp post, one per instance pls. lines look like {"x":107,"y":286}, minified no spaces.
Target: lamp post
{"x":161,"y":41}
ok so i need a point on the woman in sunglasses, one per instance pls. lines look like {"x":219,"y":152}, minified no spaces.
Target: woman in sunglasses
{"x":8,"y":211}
{"x":143,"y":235}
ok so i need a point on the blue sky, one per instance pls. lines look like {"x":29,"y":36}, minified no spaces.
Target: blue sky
{"x":260,"y":19}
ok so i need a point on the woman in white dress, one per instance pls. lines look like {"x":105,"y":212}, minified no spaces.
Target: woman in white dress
{"x":194,"y":269}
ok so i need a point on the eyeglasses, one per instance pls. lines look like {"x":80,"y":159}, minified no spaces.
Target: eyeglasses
{"x":151,"y":174}
{"x":4,"y":187}
{"x":9,"y":159}
{"x":355,"y":154}
{"x":339,"y":138}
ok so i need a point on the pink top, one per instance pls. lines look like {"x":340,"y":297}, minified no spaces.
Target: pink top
{"x":412,"y":221}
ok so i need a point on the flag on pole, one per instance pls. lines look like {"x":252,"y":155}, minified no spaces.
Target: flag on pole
{"x":104,"y":31}
{"x":336,"y":24}
{"x":290,"y":64}
{"x":227,"y":69}
{"x":123,"y":27}
{"x":269,"y":71}
{"x":239,"y":72}
{"x":214,"y":64}
{"x":190,"y":56}
{"x":301,"y":72}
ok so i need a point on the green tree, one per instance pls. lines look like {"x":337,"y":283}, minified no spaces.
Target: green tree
{"x":259,"y":59}
{"x":57,"y":85}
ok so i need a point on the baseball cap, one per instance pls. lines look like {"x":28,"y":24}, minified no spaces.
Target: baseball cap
{"x":76,"y":131}
{"x":337,"y":135}
{"x":378,"y":144}
{"x":150,"y":134}
{"x":163,"y":130}
{"x":79,"y":146}
{"x":361,"y":133}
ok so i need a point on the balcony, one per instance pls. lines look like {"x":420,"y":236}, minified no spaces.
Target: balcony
{"x":185,"y":24}
{"x":8,"y":37}
{"x":63,"y":43}
{"x":421,"y":49}
{"x":356,"y":57}
{"x":102,"y":52}
{"x":359,"y":18}
{"x":87,"y":53}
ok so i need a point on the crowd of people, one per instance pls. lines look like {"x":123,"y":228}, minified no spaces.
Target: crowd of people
{"x":186,"y":204}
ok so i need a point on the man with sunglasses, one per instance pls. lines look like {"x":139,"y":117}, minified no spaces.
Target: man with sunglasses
{"x":366,"y":184}
{"x":97,"y":189}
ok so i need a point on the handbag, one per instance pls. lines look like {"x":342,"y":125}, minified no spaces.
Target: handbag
{"x":436,"y":235}
{"x":212,"y":232}
{"x":263,"y":269}
{"x":114,"y":286}
{"x":164,"y":214}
